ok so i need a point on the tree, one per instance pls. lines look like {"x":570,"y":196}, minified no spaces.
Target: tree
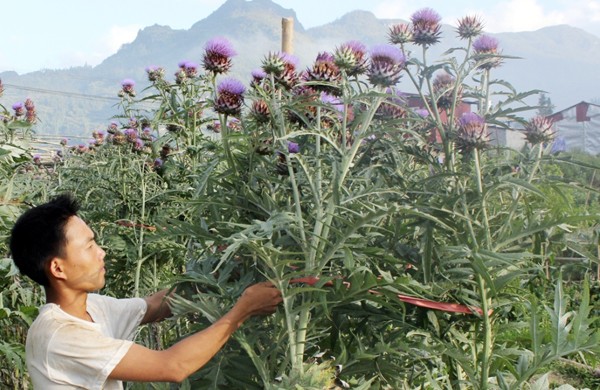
{"x":545,"y":105}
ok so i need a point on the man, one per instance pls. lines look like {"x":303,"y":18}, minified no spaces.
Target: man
{"x":83,"y":340}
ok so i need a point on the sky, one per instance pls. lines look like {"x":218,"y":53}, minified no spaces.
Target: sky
{"x":59,"y":34}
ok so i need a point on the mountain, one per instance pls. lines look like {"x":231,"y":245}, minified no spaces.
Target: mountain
{"x":561,"y":60}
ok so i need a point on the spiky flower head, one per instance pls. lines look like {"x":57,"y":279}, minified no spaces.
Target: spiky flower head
{"x":112,"y":128}
{"x":471,"y":133}
{"x":335,"y":110}
{"x":155,"y":73}
{"x":127,"y":88}
{"x":485,"y":50}
{"x":325,"y":73}
{"x":29,"y":105}
{"x":293,"y":147}
{"x":443,"y":90}
{"x":538,"y":130}
{"x":19,"y":109}
{"x":217,"y":55}
{"x":98,"y":137}
{"x":426,"y":27}
{"x":387,"y":62}
{"x":469,"y":27}
{"x":275,"y":63}
{"x":400,"y":34}
{"x":190,"y":68}
{"x":146,"y":134}
{"x":351,"y":57}
{"x":30,"y":114}
{"x":394,"y":105}
{"x":230,"y":96}
{"x":131,"y":134}
{"x":260,"y":111}
{"x":258,"y":75}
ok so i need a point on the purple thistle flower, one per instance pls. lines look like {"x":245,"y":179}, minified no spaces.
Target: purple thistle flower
{"x":131,"y":134}
{"x":486,"y":52}
{"x":191,"y":69}
{"x":127,"y":88}
{"x":293,"y":147}
{"x":486,"y":44}
{"x":128,"y":83}
{"x":471,"y":133}
{"x":230,"y":96}
{"x":351,"y":57}
{"x":232,"y":86}
{"x":324,"y":57}
{"x":138,"y":144}
{"x":325,"y":72}
{"x":290,"y":59}
{"x":387,"y":62}
{"x":19,"y":109}
{"x":29,"y":106}
{"x":217,"y":55}
{"x":426,"y":27}
{"x":113,"y":128}
{"x":64,"y":141}
{"x":422,"y":112}
{"x":469,"y":27}
{"x":221,"y":46}
{"x":155,"y":73}
{"x":443,"y":90}
{"x":539,"y":130}
{"x":158,"y":162}
{"x":260,"y":111}
{"x":400,"y":34}
{"x":470,"y":121}
{"x":258,"y":75}
{"x":394,"y":105}
{"x":275,"y":63}
{"x":333,"y":101}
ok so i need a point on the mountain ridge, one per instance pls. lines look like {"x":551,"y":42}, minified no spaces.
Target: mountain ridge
{"x":561,"y":60}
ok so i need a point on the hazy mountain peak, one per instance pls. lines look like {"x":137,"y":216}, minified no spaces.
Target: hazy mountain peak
{"x":232,"y":12}
{"x":561,"y":60}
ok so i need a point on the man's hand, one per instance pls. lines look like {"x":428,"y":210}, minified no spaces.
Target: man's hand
{"x":260,"y":299}
{"x":176,"y":363}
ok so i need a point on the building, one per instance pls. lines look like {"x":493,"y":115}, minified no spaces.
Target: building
{"x":578,"y":128}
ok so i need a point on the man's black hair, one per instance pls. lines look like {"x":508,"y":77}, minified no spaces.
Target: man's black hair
{"x":39,"y":235}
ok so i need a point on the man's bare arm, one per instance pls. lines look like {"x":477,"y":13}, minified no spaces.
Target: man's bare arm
{"x":141,"y":364}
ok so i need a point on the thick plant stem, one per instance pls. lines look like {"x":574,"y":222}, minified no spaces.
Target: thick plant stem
{"x":291,"y":329}
{"x":304,"y":318}
{"x":486,"y":353}
{"x":140,"y":249}
{"x":318,"y":228}
{"x":486,"y":223}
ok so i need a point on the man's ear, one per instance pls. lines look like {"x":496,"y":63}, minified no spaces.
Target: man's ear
{"x":56,"y":268}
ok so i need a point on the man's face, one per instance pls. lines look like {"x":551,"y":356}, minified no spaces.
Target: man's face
{"x":82,"y":258}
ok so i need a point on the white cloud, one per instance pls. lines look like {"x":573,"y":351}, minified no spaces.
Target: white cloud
{"x":104,"y":46}
{"x":390,"y":9}
{"x":521,"y":15}
{"x":119,"y":35}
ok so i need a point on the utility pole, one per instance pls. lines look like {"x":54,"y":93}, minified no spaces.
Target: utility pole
{"x":287,"y":35}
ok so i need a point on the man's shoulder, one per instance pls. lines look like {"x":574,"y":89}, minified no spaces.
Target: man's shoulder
{"x":50,"y":318}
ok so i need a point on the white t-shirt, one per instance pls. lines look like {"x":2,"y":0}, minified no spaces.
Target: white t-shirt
{"x":65,"y":352}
